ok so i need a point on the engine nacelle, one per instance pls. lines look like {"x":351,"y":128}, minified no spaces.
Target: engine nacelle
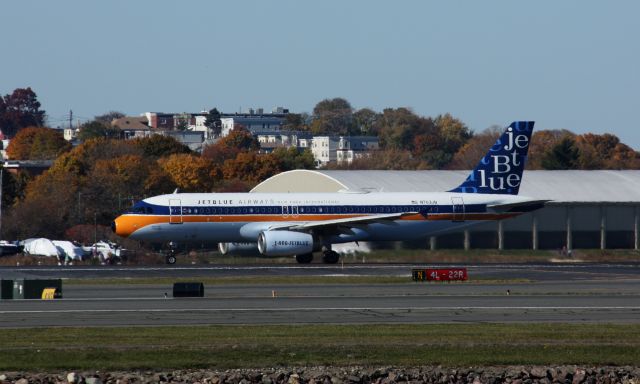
{"x":284,"y":243}
{"x":239,"y":249}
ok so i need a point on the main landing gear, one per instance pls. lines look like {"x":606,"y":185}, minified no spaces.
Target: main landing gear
{"x":304,"y":258}
{"x":330,"y":257}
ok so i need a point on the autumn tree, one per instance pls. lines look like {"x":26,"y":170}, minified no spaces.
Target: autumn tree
{"x":605,"y":152}
{"x":332,"y":117}
{"x":36,"y":143}
{"x":190,"y":173}
{"x":468,"y":156}
{"x":18,"y":110}
{"x":113,"y":183}
{"x":237,"y":141}
{"x":46,"y":209}
{"x":252,"y":167}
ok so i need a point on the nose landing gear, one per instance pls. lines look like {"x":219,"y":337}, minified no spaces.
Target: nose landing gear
{"x":171,"y":257}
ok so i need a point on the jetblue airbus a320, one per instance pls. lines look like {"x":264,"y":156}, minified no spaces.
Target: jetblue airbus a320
{"x":298,"y":224}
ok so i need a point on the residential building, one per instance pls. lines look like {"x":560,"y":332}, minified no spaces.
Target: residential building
{"x":283,"y":139}
{"x":341,"y":149}
{"x":70,"y":134}
{"x":255,"y":121}
{"x":131,"y":123}
{"x":324,"y":149}
{"x":355,"y":147}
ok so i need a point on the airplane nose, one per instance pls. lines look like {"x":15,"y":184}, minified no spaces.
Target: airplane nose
{"x":121,"y":226}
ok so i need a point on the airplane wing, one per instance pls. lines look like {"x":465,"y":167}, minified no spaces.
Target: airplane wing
{"x":351,"y":221}
{"x":524,"y":206}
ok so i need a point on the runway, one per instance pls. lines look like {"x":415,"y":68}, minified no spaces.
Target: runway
{"x":538,"y":272}
{"x":555,"y":293}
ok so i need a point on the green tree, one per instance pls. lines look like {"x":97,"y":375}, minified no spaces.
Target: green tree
{"x":296,"y":122}
{"x":95,"y":129}
{"x":160,"y":146}
{"x":213,"y":122}
{"x":397,"y":128}
{"x":564,"y":155}
{"x":292,"y":158}
{"x":364,"y":120}
{"x":541,"y":144}
{"x":182,"y":125}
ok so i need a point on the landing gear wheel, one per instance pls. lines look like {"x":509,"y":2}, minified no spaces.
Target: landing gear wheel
{"x":330,"y":257}
{"x":305,"y":258}
{"x":171,"y":259}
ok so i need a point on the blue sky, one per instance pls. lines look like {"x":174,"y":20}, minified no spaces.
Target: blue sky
{"x":565,"y":64}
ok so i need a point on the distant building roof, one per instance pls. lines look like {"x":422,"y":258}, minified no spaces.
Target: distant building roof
{"x":131,"y":122}
{"x":559,"y":186}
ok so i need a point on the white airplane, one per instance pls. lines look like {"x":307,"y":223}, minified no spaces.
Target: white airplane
{"x":298,"y":224}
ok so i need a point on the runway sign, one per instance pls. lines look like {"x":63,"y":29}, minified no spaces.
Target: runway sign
{"x":444,"y":274}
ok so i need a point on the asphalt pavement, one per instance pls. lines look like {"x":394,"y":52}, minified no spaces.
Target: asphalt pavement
{"x":580,"y":293}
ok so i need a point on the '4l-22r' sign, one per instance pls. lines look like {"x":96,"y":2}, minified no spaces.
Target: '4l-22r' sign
{"x":445,"y":274}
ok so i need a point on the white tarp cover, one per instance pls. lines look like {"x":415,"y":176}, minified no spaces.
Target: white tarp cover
{"x":68,"y":249}
{"x":41,"y":247}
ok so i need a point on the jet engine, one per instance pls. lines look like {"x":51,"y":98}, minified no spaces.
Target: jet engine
{"x":239,"y":249}
{"x":284,"y":243}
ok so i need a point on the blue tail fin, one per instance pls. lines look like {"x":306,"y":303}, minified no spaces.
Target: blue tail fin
{"x":500,"y":170}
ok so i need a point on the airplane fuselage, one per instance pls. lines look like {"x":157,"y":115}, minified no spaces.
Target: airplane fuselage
{"x":240,"y":217}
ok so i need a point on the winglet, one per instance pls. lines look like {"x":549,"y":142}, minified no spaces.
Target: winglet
{"x":500,"y":170}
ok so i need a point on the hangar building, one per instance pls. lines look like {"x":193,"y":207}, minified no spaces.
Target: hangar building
{"x":588,"y":209}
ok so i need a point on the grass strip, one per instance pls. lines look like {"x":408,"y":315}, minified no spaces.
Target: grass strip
{"x":280,"y":280}
{"x":261,"y":346}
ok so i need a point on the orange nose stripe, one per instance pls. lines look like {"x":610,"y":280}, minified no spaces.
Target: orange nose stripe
{"x":127,"y":224}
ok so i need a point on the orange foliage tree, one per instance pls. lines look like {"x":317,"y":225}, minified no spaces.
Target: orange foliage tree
{"x":37,"y":143}
{"x":190,"y":173}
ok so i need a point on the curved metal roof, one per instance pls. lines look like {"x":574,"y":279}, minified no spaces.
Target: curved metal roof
{"x":559,"y":186}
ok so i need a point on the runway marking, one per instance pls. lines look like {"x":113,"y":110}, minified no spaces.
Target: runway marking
{"x":635,"y":308}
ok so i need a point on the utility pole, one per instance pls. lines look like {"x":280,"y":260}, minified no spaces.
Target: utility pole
{"x":1,"y":174}
{"x":70,"y":119}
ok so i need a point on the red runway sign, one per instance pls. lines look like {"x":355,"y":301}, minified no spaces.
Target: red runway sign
{"x":444,"y":274}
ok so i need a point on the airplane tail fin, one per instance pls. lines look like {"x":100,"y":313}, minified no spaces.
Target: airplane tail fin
{"x":500,"y":170}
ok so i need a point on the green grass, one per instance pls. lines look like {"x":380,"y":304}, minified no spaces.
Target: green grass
{"x":267,"y":346}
